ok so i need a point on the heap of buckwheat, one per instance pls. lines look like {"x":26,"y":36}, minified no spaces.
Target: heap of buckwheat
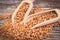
{"x":23,"y":32}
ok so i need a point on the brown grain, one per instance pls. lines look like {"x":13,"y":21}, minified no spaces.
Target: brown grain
{"x":23,"y":32}
{"x":36,"y":19}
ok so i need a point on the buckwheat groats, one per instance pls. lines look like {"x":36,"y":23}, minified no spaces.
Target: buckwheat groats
{"x":7,"y":31}
{"x":20,"y":32}
{"x":23,"y":32}
{"x":21,"y":12}
{"x":35,"y":10}
{"x":5,"y":16}
{"x":38,"y":18}
{"x":8,"y":15}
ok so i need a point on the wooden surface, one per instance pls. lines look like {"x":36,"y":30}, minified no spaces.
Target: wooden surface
{"x":7,"y":7}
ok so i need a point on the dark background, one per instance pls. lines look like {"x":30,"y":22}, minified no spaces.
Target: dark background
{"x":41,"y":3}
{"x":10,"y":5}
